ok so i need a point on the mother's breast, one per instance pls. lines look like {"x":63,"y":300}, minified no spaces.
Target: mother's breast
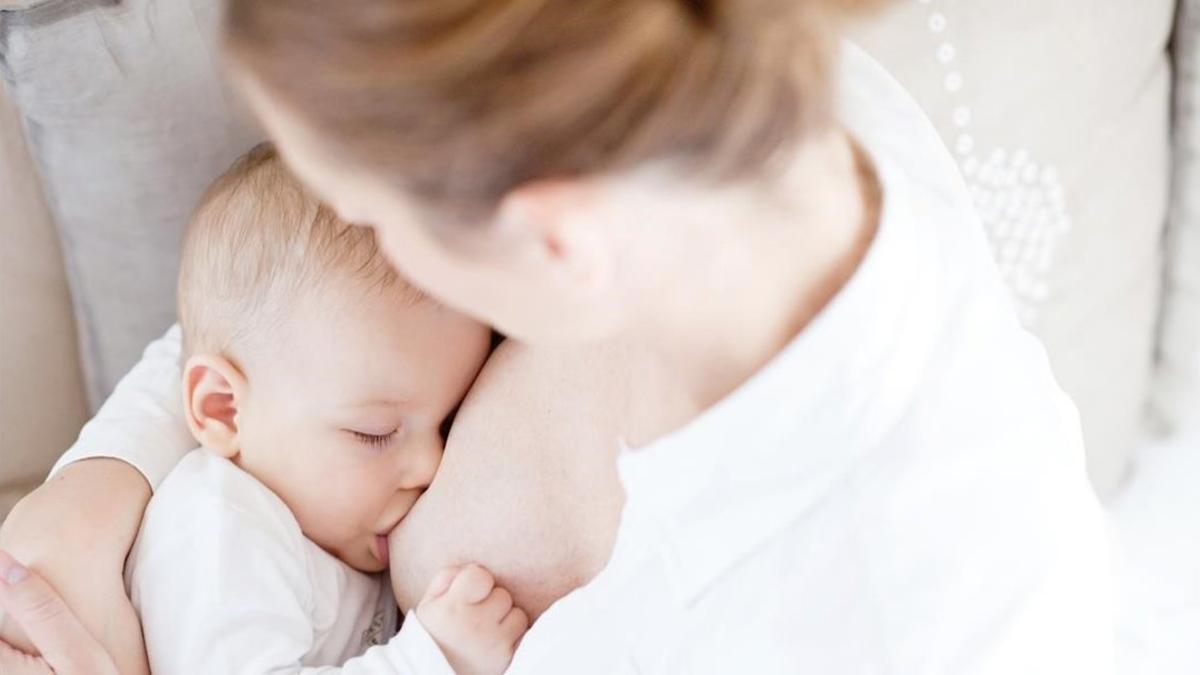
{"x":528,"y":485}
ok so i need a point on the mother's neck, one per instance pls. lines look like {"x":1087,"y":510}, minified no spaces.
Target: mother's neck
{"x":743,"y":272}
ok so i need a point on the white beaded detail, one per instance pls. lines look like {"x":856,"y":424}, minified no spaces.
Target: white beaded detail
{"x":1019,"y":200}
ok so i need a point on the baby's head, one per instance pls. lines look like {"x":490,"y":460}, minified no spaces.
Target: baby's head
{"x":310,"y":363}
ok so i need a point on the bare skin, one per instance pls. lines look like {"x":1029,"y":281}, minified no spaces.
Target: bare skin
{"x":523,"y":484}
{"x":82,"y":568}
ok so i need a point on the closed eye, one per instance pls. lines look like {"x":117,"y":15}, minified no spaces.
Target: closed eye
{"x":373,"y":440}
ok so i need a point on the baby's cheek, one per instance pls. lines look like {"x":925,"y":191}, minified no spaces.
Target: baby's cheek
{"x":333,"y":518}
{"x":321,"y":526}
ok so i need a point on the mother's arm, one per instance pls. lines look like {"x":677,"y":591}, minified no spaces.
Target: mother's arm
{"x":76,"y":529}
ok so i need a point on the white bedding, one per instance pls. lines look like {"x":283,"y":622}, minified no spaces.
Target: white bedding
{"x":1156,"y":523}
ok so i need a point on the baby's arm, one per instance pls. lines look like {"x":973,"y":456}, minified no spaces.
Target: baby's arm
{"x":76,"y":529}
{"x":466,"y":625}
{"x":465,"y":622}
{"x":473,"y":620}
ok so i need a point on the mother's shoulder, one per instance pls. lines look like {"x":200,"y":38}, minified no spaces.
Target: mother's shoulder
{"x":548,"y":385}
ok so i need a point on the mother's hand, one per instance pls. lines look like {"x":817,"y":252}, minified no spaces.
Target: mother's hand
{"x":66,"y":647}
{"x":75,"y":531}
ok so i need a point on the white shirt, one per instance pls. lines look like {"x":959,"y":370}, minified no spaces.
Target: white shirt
{"x":225,"y":582}
{"x":900,"y":491}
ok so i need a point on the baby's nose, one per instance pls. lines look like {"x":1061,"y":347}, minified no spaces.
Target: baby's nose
{"x":421,"y":463}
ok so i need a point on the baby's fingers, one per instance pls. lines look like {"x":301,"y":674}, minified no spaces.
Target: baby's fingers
{"x":514,"y":624}
{"x":497,"y":604}
{"x":472,"y":585}
{"x":441,"y":582}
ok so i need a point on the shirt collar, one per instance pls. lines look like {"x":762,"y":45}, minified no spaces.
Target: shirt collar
{"x":712,"y":491}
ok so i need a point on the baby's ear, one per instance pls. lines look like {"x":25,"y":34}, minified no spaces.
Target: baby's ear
{"x":212,"y":388}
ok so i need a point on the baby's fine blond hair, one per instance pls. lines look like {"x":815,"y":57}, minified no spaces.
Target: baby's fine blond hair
{"x":256,"y":244}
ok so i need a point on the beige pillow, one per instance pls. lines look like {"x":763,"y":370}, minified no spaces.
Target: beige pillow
{"x":41,"y":392}
{"x":1058,"y":115}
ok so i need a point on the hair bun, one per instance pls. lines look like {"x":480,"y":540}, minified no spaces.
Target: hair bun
{"x":748,"y":14}
{"x":746,"y":17}
{"x":701,"y":9}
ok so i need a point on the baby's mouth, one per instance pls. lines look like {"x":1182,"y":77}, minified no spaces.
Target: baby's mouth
{"x":381,"y":548}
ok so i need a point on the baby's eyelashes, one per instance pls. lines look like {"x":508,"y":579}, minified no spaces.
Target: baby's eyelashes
{"x":374,"y":440}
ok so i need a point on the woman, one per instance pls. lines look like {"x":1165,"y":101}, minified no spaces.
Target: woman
{"x":767,"y":298}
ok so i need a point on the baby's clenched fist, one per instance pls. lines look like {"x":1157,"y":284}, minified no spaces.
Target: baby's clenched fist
{"x":472,"y":619}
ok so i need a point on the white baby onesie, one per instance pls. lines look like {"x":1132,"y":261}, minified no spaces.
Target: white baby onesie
{"x":225,"y":582}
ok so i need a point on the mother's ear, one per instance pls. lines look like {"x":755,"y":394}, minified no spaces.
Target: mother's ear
{"x":545,"y":215}
{"x":212,"y":390}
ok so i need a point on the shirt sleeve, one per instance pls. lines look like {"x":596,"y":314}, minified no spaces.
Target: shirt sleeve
{"x":142,"y":422}
{"x":412,"y":650}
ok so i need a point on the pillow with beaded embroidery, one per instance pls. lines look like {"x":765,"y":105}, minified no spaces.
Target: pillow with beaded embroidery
{"x":1057,"y":113}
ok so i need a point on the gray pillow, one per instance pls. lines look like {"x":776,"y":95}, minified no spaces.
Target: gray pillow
{"x":128,"y":121}
{"x":1177,"y":391}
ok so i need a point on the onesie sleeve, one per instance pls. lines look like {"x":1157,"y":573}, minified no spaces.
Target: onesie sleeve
{"x":142,"y":422}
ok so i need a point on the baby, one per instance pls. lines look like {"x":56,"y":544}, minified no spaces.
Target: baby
{"x":319,"y":385}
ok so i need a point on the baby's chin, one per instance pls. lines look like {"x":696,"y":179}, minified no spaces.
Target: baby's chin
{"x":363,"y":561}
{"x":372,"y":567}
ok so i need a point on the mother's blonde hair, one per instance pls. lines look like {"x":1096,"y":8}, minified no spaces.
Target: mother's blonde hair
{"x":458,"y":102}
